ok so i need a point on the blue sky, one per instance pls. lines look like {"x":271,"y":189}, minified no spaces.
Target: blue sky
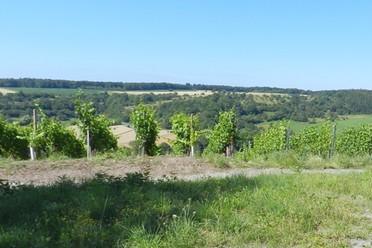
{"x":307,"y":44}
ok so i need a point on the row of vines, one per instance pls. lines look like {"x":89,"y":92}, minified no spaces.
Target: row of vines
{"x":322,"y":141}
{"x":52,"y":138}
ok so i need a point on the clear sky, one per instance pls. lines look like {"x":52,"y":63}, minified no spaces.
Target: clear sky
{"x":307,"y":44}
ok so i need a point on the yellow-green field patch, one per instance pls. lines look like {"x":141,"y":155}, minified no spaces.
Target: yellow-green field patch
{"x":126,"y":134}
{"x":159,"y":92}
{"x":5,"y":91}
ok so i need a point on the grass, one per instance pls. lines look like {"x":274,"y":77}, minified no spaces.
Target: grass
{"x":291,"y":160}
{"x":353,"y":121}
{"x":299,"y":210}
{"x":342,"y":123}
{"x":218,"y":160}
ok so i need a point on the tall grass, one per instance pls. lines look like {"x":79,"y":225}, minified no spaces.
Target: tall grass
{"x":275,"y":211}
{"x":291,"y":160}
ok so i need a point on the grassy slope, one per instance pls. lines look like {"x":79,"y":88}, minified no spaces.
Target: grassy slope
{"x":61,"y":91}
{"x":354,"y":121}
{"x":276,"y":211}
{"x":54,"y":91}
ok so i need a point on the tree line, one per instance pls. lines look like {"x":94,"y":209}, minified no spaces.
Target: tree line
{"x":71,"y":84}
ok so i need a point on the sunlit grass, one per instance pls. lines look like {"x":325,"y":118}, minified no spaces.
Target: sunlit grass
{"x":291,"y":160}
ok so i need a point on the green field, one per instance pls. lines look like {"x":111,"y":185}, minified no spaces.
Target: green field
{"x":54,"y":91}
{"x":342,"y":123}
{"x":354,"y":121}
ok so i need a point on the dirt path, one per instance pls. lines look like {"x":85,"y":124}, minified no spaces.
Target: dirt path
{"x":46,"y":172}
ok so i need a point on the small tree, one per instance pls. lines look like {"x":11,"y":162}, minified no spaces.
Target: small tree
{"x":51,"y":137}
{"x":183,"y":126}
{"x":146,"y":128}
{"x":101,"y":138}
{"x":224,"y":134}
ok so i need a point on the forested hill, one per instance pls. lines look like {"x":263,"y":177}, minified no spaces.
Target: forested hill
{"x":251,"y":108}
{"x":69,"y":84}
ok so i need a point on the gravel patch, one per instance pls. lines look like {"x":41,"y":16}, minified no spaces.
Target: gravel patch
{"x":184,"y":168}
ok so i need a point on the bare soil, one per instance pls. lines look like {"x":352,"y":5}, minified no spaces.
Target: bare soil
{"x":45,"y":172}
{"x":185,"y":168}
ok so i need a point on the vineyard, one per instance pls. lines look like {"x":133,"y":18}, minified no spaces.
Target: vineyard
{"x":52,"y":138}
{"x":322,"y":141}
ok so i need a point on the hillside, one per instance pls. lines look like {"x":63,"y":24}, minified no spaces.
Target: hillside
{"x":251,"y":105}
{"x":255,"y":107}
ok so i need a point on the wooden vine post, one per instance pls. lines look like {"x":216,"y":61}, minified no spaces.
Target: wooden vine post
{"x":89,"y":152}
{"x":192,"y":136}
{"x":32,"y":149}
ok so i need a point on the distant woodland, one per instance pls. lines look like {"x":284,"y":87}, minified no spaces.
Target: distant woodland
{"x":68,"y":84}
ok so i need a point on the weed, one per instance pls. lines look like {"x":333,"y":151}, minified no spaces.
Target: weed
{"x":218,"y":160}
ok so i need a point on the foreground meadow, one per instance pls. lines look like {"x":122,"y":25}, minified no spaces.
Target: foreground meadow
{"x":292,"y":210}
